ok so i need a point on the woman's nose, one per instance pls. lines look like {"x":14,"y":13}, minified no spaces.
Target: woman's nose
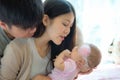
{"x":67,"y":31}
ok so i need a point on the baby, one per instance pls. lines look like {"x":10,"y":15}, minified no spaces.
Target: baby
{"x":82,"y":60}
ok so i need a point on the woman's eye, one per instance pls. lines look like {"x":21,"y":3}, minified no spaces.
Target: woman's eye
{"x":65,"y":24}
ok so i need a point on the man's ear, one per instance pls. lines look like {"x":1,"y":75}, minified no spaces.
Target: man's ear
{"x":3,"y":25}
{"x":46,"y":20}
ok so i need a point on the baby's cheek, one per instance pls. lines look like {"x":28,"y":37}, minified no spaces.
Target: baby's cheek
{"x":78,"y":64}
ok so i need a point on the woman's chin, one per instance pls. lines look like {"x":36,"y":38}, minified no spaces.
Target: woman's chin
{"x":57,"y":43}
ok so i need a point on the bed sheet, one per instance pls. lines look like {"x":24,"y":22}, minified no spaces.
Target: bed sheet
{"x":104,"y":72}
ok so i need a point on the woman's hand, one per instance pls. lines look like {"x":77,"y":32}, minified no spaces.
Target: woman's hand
{"x":41,"y":77}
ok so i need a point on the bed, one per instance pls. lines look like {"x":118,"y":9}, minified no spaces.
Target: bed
{"x":103,"y":72}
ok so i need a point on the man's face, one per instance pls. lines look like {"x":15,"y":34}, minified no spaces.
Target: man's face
{"x":20,"y":33}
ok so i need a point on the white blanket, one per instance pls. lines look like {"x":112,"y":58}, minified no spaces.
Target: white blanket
{"x":104,"y":72}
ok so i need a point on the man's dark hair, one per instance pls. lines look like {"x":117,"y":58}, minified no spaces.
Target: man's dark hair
{"x":21,"y":13}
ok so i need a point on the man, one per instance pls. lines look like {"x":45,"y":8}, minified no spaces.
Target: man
{"x":19,"y":19}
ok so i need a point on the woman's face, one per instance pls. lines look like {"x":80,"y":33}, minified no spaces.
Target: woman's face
{"x":81,"y":62}
{"x":59,"y":27}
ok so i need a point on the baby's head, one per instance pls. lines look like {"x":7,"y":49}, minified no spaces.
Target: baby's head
{"x":88,"y":56}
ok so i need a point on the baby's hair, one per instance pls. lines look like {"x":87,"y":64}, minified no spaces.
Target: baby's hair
{"x":95,"y":56}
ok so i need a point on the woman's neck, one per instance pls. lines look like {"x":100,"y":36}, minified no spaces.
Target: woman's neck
{"x":42,"y":40}
{"x":42,"y":45}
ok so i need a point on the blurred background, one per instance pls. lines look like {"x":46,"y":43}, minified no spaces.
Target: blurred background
{"x":99,"y":21}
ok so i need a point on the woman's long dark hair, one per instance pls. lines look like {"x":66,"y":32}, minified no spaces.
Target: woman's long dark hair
{"x":54,"y":8}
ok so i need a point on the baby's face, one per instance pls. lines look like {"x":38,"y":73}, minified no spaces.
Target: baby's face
{"x":80,"y":60}
{"x":85,"y":71}
{"x":75,"y":56}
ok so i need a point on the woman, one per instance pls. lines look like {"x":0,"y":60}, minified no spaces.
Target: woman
{"x":26,"y":58}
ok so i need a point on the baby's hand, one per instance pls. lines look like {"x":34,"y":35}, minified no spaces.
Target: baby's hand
{"x":64,"y":54}
{"x":75,"y":49}
{"x":59,"y":61}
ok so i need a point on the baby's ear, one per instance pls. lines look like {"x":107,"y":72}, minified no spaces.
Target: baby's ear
{"x":82,"y":62}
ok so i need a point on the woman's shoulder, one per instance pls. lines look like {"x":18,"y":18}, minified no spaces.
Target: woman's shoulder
{"x":20,"y":40}
{"x":18,"y":47}
{"x":79,"y":37}
{"x":19,"y":44}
